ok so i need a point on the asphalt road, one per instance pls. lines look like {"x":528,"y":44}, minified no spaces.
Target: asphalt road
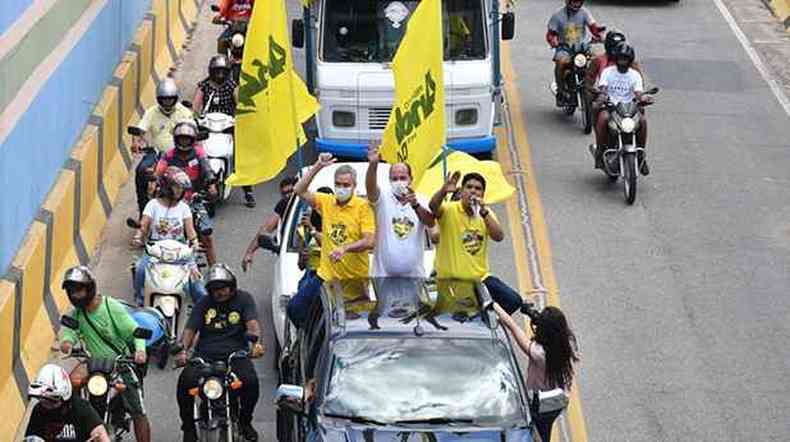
{"x":680,"y":301}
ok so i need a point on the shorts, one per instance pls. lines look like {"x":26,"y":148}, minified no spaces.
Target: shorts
{"x":132,"y":397}
{"x":562,"y":52}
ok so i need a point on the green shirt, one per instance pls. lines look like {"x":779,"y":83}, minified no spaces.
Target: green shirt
{"x":100,"y":318}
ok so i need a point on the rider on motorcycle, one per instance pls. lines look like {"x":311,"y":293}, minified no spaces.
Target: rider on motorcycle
{"x":222,"y":90}
{"x":167,"y":217}
{"x":617,"y":84}
{"x":192,"y":159}
{"x":223,"y":319}
{"x":59,"y":414}
{"x":598,"y":64}
{"x":157,"y":123}
{"x":231,"y":11}
{"x":567,"y":27}
{"x":107,"y":331}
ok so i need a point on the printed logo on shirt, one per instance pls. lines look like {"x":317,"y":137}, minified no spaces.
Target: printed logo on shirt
{"x":573,"y":33}
{"x":210,"y":315}
{"x":472,"y":240}
{"x":68,"y":433}
{"x":234,"y":318}
{"x":220,"y":320}
{"x":338,"y":234}
{"x":402,"y":226}
{"x":168,"y":227}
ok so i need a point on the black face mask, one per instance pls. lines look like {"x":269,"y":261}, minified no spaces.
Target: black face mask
{"x":82,"y":302}
{"x":622,"y":67}
{"x":219,"y":76}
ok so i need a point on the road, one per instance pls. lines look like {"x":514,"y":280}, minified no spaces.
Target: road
{"x":679,"y":301}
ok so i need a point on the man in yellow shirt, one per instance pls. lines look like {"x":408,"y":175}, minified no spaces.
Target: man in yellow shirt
{"x":465,"y":226}
{"x":348,"y":228}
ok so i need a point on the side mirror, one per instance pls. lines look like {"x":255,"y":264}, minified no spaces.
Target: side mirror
{"x":187,"y":104}
{"x":508,"y":25}
{"x":135,"y":131}
{"x":652,"y":91}
{"x":69,"y":322}
{"x":215,"y":8}
{"x":202,"y":135}
{"x":290,"y":397}
{"x":267,"y":243}
{"x":297,"y":33}
{"x":142,"y":333}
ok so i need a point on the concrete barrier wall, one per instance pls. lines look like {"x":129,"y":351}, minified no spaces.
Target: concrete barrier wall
{"x":780,"y":8}
{"x":69,"y":222}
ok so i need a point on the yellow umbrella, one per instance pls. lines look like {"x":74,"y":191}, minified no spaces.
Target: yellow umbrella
{"x":497,"y":187}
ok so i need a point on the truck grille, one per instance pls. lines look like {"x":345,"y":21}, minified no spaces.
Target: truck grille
{"x":377,"y":117}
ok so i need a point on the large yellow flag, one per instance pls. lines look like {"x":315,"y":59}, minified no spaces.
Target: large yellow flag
{"x":273,"y":100}
{"x":416,"y":130}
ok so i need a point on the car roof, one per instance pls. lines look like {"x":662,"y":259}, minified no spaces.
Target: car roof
{"x":326,"y":176}
{"x":407,"y":306}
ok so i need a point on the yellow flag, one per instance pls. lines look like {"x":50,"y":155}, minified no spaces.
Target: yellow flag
{"x":273,"y":100}
{"x":416,"y":130}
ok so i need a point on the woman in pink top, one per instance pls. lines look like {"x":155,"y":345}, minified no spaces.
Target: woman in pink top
{"x":552,"y":352}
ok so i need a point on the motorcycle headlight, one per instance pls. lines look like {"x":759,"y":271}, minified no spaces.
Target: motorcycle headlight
{"x":97,"y":385}
{"x":628,"y":125}
{"x":212,"y":389}
{"x":580,"y":60}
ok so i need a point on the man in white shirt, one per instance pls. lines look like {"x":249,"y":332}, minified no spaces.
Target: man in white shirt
{"x":401,"y":219}
{"x":621,"y":83}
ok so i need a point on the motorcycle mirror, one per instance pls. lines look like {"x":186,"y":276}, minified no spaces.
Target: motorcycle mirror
{"x":297,"y":33}
{"x":652,"y":91}
{"x":142,"y":333}
{"x":508,"y":25}
{"x":202,"y":135}
{"x":69,"y":322}
{"x":135,"y":131}
{"x":215,"y":8}
{"x":187,"y":104}
{"x":290,"y":397}
{"x":267,"y":243}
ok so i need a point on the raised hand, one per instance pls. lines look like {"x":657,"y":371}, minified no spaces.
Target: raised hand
{"x":325,"y":159}
{"x":373,"y":152}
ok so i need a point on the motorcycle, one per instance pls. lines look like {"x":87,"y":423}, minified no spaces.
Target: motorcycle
{"x":217,"y":412}
{"x":225,"y":39}
{"x":622,"y":157}
{"x":219,"y":147}
{"x":105,"y":383}
{"x":574,"y":84}
{"x":144,"y":174}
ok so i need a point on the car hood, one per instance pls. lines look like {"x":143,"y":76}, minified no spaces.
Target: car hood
{"x":362,"y":433}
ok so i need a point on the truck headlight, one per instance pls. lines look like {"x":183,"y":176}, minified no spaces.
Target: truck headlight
{"x":466,"y":117}
{"x":213,"y":389}
{"x":343,"y":119}
{"x":97,"y":385}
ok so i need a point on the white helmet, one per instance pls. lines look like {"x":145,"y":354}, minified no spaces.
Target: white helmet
{"x":52,"y":382}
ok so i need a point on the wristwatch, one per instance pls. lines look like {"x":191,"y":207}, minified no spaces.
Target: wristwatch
{"x":484,"y":213}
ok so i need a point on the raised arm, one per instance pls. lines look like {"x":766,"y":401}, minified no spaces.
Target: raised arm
{"x":371,"y":176}
{"x":301,"y":187}
{"x":438,"y":198}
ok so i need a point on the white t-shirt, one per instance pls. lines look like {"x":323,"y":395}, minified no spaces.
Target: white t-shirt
{"x":400,"y":238}
{"x":167,"y":222}
{"x":620,"y":87}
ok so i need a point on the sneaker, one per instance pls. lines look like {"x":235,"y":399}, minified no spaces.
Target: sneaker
{"x":248,"y":432}
{"x":249,"y":199}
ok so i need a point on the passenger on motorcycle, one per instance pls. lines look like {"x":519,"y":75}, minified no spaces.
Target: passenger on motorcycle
{"x":465,"y":228}
{"x":219,"y":93}
{"x":167,"y":217}
{"x":60,"y":415}
{"x":567,"y":27}
{"x":192,"y":159}
{"x":223,"y":320}
{"x":232,"y":11}
{"x":617,"y":84}
{"x":157,"y":124}
{"x":107,"y":331}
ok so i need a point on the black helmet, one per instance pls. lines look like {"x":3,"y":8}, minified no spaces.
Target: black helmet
{"x":613,"y":38}
{"x":219,"y":275}
{"x":167,"y":95}
{"x":185,"y":130}
{"x":624,"y":50}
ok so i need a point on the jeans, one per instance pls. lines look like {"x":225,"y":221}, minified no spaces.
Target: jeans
{"x":308,"y":274}
{"x":543,"y":422}
{"x":196,"y":289}
{"x":248,"y":394}
{"x":502,"y":294}
{"x":299,"y":305}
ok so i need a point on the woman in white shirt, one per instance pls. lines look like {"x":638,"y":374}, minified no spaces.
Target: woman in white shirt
{"x":167,"y":217}
{"x":552,"y":353}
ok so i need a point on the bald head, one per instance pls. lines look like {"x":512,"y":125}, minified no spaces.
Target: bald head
{"x":400,"y":172}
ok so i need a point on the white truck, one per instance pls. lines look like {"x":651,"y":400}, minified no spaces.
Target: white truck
{"x":349,"y":46}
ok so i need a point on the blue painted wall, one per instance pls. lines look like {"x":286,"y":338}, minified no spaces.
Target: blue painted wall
{"x":36,"y":149}
{"x":10,"y":11}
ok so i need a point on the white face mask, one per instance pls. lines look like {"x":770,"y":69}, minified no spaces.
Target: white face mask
{"x":399,"y":188}
{"x":343,"y":194}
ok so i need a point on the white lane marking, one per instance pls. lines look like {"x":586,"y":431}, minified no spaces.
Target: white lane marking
{"x":758,"y":63}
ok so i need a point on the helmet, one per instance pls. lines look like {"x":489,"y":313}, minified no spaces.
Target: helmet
{"x":219,"y":275}
{"x":52,"y":382}
{"x":167,"y":95}
{"x":185,"y":129}
{"x":173,"y":176}
{"x":613,"y":38}
{"x":624,"y":50}
{"x":79,"y":275}
{"x":237,"y":41}
{"x":33,"y":439}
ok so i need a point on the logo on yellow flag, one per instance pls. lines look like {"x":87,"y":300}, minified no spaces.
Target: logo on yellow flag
{"x":416,"y":128}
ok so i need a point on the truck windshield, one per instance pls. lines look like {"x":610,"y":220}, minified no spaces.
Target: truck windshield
{"x":370,"y":31}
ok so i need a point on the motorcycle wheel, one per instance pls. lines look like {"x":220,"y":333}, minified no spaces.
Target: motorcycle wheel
{"x":214,"y":435}
{"x":629,"y":177}
{"x":584,"y":107}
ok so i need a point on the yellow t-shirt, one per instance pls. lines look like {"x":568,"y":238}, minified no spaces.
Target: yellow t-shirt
{"x":159,"y":127}
{"x":463,"y":244}
{"x":344,"y":225}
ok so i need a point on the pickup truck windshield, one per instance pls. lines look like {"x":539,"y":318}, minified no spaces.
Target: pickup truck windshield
{"x":370,"y":31}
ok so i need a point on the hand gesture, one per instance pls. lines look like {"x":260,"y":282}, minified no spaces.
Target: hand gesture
{"x":325,"y":159}
{"x":373,"y":152}
{"x":337,"y":254}
{"x":305,"y":220}
{"x":451,"y":184}
{"x":246,"y":261}
{"x":65,"y":348}
{"x":410,"y":197}
{"x":139,"y":357}
{"x":181,"y":358}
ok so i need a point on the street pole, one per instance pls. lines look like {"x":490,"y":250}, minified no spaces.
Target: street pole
{"x":495,"y":42}
{"x":308,"y":51}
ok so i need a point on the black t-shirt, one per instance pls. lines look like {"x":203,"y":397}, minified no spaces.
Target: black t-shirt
{"x":222,"y":326}
{"x":72,"y":422}
{"x":279,"y":209}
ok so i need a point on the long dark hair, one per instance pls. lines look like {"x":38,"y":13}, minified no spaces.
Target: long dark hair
{"x":559,"y":343}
